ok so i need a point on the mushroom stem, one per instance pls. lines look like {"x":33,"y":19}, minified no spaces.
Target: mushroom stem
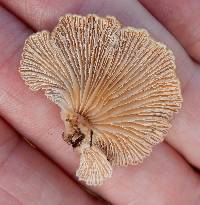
{"x":77,"y":130}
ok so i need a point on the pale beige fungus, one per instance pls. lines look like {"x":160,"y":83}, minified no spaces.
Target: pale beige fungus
{"x":117,"y":89}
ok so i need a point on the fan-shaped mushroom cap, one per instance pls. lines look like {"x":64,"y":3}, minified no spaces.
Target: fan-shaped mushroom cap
{"x":116,"y":87}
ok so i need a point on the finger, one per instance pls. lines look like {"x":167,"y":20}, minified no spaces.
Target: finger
{"x":44,"y":20}
{"x":42,"y":178}
{"x":36,"y":170}
{"x":182,"y":18}
{"x":48,"y":21}
{"x":186,"y":122}
{"x":44,"y":128}
{"x":160,"y":179}
{"x":25,"y":175}
{"x":27,"y":11}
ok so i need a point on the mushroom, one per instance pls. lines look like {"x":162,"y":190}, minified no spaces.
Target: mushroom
{"x":116,"y":87}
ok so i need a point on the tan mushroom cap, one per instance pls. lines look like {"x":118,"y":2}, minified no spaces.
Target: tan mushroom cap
{"x":120,"y":80}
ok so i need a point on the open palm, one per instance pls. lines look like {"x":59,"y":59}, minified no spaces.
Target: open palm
{"x":45,"y":175}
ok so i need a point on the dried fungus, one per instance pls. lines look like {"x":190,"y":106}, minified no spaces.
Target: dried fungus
{"x":117,"y":89}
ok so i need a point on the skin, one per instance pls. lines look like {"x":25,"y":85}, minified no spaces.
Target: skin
{"x":46,"y":175}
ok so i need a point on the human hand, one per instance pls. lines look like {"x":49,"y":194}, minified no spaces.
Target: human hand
{"x":46,"y":175}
